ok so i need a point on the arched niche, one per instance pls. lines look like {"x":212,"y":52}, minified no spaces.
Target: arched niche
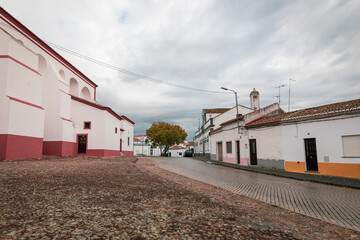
{"x":74,"y":87}
{"x":42,"y":65}
{"x":85,"y":93}
{"x":21,"y":42}
{"x":62,"y":74}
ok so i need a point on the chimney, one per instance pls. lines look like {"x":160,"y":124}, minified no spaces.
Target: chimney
{"x":255,"y":99}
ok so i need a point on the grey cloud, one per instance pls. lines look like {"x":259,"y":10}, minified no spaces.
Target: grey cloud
{"x":205,"y":44}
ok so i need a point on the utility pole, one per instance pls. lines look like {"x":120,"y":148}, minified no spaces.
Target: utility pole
{"x":289,"y":92}
{"x":236,"y":102}
{"x":280,"y":86}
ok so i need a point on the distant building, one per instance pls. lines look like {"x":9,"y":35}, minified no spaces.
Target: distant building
{"x":229,"y":141}
{"x":212,"y":118}
{"x":144,"y":148}
{"x":189,"y":146}
{"x":49,"y":107}
{"x":176,"y":151}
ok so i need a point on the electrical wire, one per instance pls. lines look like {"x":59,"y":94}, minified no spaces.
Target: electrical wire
{"x":122,"y":70}
{"x":127,"y":71}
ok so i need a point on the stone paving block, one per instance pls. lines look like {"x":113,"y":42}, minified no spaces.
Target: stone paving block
{"x":337,"y":205}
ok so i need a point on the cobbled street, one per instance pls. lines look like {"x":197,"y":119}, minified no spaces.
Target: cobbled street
{"x":129,"y":198}
{"x":338,"y":205}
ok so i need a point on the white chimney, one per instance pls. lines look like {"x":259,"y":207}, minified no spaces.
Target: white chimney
{"x":255,"y":99}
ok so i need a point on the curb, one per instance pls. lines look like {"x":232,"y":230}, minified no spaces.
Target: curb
{"x":324,"y":179}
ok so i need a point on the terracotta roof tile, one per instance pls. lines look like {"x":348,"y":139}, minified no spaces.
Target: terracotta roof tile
{"x":216,"y":110}
{"x":177,"y":147}
{"x":329,"y":110}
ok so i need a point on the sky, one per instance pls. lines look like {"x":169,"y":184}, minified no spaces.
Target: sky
{"x":205,"y":45}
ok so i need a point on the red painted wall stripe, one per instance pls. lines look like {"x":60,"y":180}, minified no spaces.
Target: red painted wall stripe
{"x":22,"y":64}
{"x":65,"y":119}
{"x":20,"y":147}
{"x":24,"y":102}
{"x":64,"y":92}
{"x":96,"y":105}
{"x":59,"y":148}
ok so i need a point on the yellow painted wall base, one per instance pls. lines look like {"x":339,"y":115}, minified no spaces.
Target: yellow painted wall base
{"x":334,"y":169}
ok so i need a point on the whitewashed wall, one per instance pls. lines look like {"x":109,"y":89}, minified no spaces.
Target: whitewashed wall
{"x":328,"y":136}
{"x":230,"y":114}
{"x":269,"y":146}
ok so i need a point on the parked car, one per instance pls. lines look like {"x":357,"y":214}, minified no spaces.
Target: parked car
{"x":188,"y":153}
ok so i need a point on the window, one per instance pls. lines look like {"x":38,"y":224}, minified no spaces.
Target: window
{"x":116,"y":130}
{"x":351,"y":146}
{"x":228,"y":147}
{"x":128,"y":141}
{"x":87,"y":125}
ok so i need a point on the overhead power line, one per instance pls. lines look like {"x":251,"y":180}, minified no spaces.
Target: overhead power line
{"x":122,"y":70}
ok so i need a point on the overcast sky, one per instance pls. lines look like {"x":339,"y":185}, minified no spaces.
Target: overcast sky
{"x":206,"y":45}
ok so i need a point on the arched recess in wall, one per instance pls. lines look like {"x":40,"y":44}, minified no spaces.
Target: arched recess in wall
{"x":74,"y":87}
{"x":85,"y":93}
{"x":42,"y":65}
{"x":62,"y":74}
{"x":21,"y":42}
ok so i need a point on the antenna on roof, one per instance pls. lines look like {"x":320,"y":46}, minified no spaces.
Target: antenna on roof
{"x":289,"y":92}
{"x":280,"y":86}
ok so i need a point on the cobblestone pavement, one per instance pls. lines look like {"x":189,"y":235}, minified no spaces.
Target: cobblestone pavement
{"x":128,"y":198}
{"x":337,"y":205}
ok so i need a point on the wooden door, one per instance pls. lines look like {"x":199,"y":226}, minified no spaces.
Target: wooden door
{"x":220,"y":151}
{"x":310,"y":154}
{"x":238,"y":152}
{"x":120,"y":145}
{"x":82,"y":142}
{"x":253,"y":152}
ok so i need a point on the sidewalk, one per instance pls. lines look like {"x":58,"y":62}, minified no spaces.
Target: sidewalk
{"x":325,"y":179}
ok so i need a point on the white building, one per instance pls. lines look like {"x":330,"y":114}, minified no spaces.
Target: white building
{"x":47,"y":106}
{"x":229,"y":142}
{"x":320,"y":140}
{"x":212,"y":118}
{"x":144,"y":148}
{"x":176,"y":151}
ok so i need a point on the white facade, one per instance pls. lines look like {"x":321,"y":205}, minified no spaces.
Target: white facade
{"x":321,"y":140}
{"x":328,"y":134}
{"x":177,"y":151}
{"x":202,"y":141}
{"x":40,"y":112}
{"x":142,"y":148}
{"x":228,"y":133}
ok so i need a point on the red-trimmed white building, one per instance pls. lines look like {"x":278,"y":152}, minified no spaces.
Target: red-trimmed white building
{"x":144,"y":148}
{"x":48,"y":107}
{"x":176,"y":151}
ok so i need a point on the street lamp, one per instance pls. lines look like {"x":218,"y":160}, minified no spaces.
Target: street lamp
{"x":236,"y":102}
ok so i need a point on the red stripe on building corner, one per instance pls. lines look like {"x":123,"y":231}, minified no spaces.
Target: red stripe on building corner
{"x":24,"y":102}
{"x":65,"y":119}
{"x":22,"y":64}
{"x":64,"y":92}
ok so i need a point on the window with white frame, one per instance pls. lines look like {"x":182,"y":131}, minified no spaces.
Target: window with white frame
{"x":351,"y":146}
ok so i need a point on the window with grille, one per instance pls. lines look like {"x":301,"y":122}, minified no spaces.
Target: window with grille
{"x":87,"y":125}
